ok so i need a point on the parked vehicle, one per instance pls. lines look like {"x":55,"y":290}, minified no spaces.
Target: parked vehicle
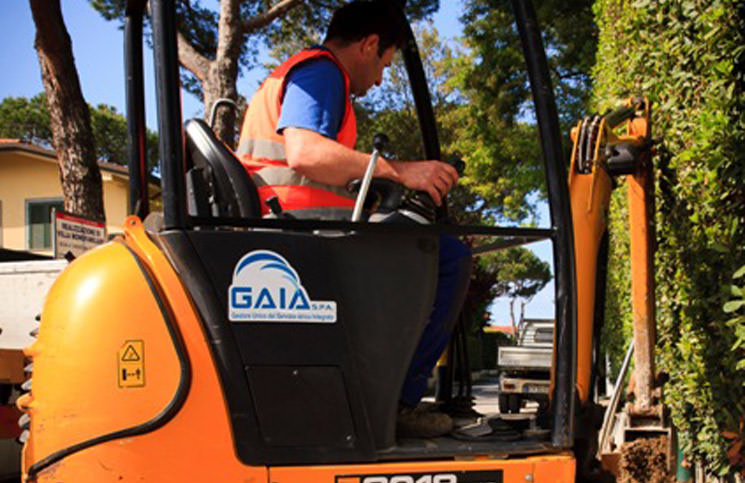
{"x":24,"y":283}
{"x":525,"y":369}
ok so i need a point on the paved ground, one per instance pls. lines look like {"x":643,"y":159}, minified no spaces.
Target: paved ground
{"x":486,"y":394}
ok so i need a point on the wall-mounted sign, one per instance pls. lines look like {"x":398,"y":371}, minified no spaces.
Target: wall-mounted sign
{"x":75,"y":235}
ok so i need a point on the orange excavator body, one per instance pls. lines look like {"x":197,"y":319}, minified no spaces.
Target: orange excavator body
{"x":115,"y":385}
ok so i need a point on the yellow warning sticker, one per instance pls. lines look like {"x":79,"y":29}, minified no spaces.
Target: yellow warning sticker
{"x":131,"y":364}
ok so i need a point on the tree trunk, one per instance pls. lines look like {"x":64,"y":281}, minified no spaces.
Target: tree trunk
{"x":522,"y":313}
{"x":512,"y":318}
{"x":69,"y":115}
{"x":219,"y":86}
{"x":219,"y":77}
{"x":222,"y":76}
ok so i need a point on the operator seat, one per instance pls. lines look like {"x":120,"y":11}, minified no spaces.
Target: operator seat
{"x":216,"y":182}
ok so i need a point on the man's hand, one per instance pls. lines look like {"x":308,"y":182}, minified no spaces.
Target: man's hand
{"x":432,"y":177}
{"x":326,"y":161}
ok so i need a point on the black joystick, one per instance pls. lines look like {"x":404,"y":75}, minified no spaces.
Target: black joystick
{"x":456,"y":162}
{"x":421,"y":202}
{"x":380,"y":141}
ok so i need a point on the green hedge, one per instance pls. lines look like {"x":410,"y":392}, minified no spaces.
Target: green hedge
{"x":687,"y":57}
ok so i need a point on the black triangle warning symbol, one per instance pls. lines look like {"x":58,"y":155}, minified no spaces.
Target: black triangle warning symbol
{"x":130,"y":354}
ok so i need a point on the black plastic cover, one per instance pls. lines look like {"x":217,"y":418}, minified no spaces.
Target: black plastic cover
{"x":302,"y":405}
{"x":383,"y":286}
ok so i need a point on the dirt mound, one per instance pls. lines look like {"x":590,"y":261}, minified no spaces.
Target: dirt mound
{"x":645,"y":460}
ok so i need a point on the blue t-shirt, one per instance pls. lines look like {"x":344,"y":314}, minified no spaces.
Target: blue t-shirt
{"x":314,"y":98}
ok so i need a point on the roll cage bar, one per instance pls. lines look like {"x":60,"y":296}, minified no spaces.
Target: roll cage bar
{"x":172,"y":167}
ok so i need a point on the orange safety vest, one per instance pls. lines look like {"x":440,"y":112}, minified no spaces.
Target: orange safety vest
{"x":262,"y":150}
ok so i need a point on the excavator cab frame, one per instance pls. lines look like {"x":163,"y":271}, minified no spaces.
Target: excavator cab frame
{"x":178,"y":219}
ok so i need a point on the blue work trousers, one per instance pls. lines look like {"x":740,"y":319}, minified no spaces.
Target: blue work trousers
{"x":452,"y":283}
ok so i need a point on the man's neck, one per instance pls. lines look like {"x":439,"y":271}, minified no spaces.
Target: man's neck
{"x":344,"y":55}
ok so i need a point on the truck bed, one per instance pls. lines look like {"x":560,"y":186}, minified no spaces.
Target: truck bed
{"x":525,"y":358}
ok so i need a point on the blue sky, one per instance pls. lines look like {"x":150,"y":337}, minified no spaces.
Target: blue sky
{"x":98,"y":50}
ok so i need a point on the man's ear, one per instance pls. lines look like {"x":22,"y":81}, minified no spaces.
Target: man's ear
{"x":370,"y":45}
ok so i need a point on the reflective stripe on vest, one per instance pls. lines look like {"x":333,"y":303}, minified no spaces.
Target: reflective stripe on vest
{"x":262,"y":150}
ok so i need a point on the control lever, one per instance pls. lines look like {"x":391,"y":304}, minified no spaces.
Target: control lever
{"x":421,"y":203}
{"x":379,"y":142}
{"x":276,"y":208}
{"x":456,"y":162}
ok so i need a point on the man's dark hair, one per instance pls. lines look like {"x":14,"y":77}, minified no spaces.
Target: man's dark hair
{"x":361,"y":18}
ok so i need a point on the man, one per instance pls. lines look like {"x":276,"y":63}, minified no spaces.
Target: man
{"x":298,"y":141}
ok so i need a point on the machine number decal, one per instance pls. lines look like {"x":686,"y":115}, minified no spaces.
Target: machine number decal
{"x":131,"y":364}
{"x":266,"y":288}
{"x":454,"y":477}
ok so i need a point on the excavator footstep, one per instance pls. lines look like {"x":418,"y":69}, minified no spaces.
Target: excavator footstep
{"x":484,"y":429}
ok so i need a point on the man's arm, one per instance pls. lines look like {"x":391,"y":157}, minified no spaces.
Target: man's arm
{"x":327,"y":161}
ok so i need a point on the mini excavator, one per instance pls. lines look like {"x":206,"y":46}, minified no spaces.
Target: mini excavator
{"x":209,"y":343}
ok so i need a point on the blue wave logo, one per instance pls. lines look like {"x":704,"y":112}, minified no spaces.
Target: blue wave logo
{"x":266,"y":288}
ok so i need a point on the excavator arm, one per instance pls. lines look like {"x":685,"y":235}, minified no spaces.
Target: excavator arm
{"x":608,"y":147}
{"x":605,"y":148}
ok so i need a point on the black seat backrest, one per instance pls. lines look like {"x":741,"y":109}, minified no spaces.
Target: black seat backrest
{"x":217,"y":182}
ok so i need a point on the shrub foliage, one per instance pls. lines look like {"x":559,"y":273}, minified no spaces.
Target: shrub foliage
{"x":688,"y":56}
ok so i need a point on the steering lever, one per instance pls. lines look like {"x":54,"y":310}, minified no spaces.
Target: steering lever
{"x":379,"y":142}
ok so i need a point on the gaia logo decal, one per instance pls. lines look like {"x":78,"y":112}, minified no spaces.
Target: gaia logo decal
{"x":267,"y":289}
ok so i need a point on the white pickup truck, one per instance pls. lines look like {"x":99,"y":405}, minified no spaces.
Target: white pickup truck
{"x":23,"y":288}
{"x":525,"y":368}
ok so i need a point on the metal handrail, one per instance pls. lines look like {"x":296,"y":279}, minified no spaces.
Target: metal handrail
{"x":613,"y":405}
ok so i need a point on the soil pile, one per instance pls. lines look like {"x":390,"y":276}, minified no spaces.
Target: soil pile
{"x":645,"y":460}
